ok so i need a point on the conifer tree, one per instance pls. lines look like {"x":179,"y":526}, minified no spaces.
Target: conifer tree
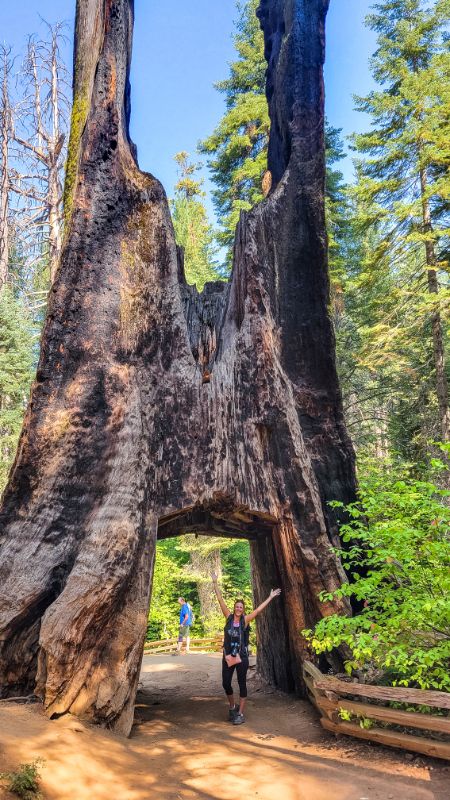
{"x":16,"y":370}
{"x":192,"y":229}
{"x":402,"y":180}
{"x":339,"y":220}
{"x":237,"y":148}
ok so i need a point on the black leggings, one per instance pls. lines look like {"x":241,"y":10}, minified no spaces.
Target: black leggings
{"x":241,"y":672}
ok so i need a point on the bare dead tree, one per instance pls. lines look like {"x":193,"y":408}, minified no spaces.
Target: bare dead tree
{"x":5,"y":140}
{"x":40,"y":152}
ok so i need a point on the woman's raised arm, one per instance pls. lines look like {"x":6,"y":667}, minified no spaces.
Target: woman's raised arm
{"x":225,"y":610}
{"x":273,"y":593}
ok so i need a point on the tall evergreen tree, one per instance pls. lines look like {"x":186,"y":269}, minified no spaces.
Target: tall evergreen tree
{"x":192,"y":228}
{"x":383,"y":355}
{"x":237,"y":148}
{"x":16,"y":370}
{"x":402,"y":180}
{"x":339,"y":220}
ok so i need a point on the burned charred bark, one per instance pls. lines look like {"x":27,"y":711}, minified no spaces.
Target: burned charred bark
{"x":152,"y":399}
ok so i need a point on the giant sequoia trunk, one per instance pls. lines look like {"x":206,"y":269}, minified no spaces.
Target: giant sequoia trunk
{"x":156,"y":404}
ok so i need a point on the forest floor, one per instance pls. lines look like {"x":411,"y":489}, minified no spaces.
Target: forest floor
{"x":182,"y":748}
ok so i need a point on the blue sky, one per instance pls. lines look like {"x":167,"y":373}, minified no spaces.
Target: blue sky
{"x":181,"y":48}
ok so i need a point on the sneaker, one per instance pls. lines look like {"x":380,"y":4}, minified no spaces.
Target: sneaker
{"x":176,"y":653}
{"x":232,"y":713}
{"x":239,"y":719}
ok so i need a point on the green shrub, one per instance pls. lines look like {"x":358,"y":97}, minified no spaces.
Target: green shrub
{"x":398,"y":556}
{"x":24,"y":782}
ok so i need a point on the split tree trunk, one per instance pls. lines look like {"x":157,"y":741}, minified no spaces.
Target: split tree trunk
{"x":150,"y":398}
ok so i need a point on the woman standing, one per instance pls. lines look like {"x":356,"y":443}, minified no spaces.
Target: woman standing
{"x":235,"y":649}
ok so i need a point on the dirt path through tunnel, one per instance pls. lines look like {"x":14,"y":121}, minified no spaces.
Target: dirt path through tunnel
{"x":182,"y":748}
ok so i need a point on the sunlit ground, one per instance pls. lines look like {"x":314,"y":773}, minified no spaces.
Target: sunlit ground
{"x":183,"y":747}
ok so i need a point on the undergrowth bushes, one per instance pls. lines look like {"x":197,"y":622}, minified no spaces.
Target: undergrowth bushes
{"x":397,"y":557}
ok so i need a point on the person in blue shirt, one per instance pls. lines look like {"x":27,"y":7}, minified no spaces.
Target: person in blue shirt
{"x":185,"y":625}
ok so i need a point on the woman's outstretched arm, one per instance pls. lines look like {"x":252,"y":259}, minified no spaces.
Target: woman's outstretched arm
{"x":273,"y":593}
{"x":225,"y":610}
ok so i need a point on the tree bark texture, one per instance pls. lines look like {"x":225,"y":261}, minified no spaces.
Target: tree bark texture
{"x":153,"y":402}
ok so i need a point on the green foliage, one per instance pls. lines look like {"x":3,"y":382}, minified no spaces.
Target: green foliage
{"x":398,"y":556}
{"x":24,"y":782}
{"x":236,"y":568}
{"x":169,"y":583}
{"x":407,"y":114}
{"x":192,"y":230}
{"x":175,"y":576}
{"x":398,"y":282}
{"x":364,"y":722}
{"x":80,"y":111}
{"x":237,"y":148}
{"x":384,"y":349}
{"x":16,"y":372}
{"x":342,"y":243}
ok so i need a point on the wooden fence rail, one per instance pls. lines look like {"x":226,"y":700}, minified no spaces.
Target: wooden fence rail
{"x":330,"y":696}
{"x":213,"y":643}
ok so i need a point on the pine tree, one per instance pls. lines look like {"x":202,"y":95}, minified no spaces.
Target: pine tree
{"x":237,"y":148}
{"x":16,"y":371}
{"x":383,"y":356}
{"x":402,"y":179}
{"x":339,"y":220}
{"x":192,"y":229}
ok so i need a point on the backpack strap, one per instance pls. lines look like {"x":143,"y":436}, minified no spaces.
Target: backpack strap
{"x":243,"y":643}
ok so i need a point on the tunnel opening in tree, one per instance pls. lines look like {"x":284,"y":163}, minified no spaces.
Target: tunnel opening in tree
{"x":221,"y":518}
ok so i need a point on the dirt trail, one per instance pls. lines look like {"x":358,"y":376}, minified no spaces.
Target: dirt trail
{"x":182,"y":748}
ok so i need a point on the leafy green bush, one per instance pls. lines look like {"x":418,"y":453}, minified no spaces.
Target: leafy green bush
{"x":24,"y":782}
{"x":168,"y":583}
{"x":398,"y":556}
